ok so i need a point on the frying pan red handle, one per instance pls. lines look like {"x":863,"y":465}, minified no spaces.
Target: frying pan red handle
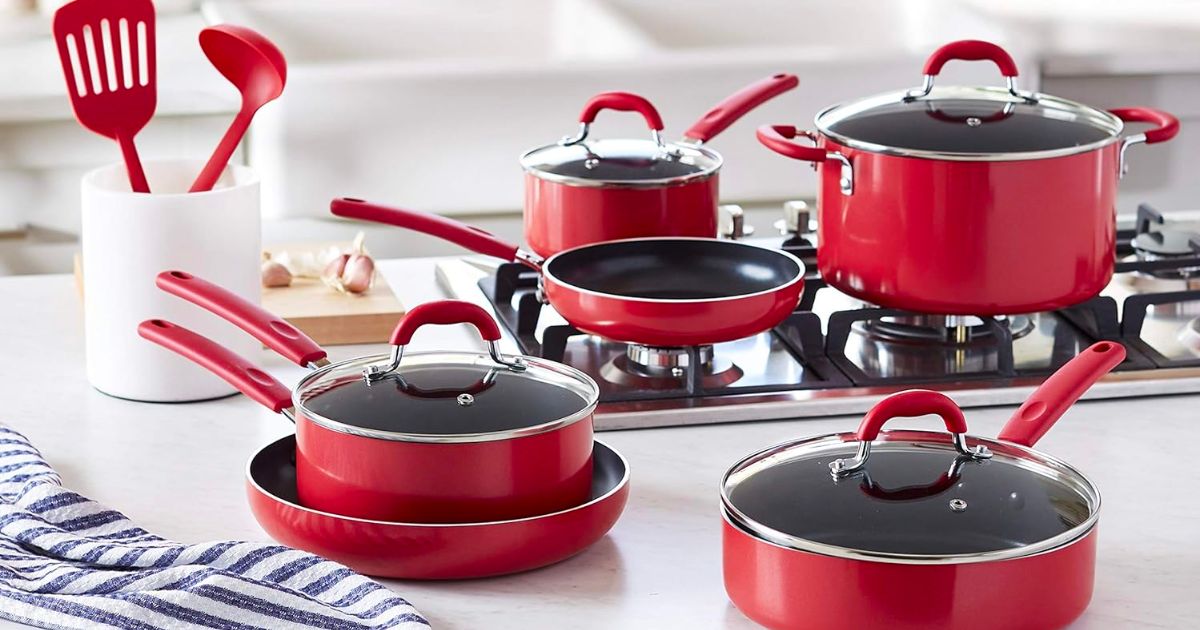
{"x":738,"y":104}
{"x":236,"y":370}
{"x":910,"y":404}
{"x":1051,"y":400}
{"x":1166,"y":126}
{"x":467,"y":236}
{"x":445,"y":312}
{"x":264,"y":326}
{"x":778,"y":138}
{"x":621,"y":101}
{"x":970,"y":50}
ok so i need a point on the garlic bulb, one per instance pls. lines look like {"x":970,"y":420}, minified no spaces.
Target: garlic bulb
{"x":353,"y":272}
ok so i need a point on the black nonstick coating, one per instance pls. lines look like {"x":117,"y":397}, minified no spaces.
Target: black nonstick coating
{"x":674,"y":269}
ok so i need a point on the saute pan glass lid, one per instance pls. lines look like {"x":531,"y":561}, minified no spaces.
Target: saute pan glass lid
{"x":918,"y":497}
{"x":983,"y":122}
{"x":583,"y":161}
{"x":446,"y":396}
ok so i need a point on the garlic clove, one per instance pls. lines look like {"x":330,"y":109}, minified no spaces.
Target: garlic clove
{"x":275,"y":274}
{"x":359,"y":273}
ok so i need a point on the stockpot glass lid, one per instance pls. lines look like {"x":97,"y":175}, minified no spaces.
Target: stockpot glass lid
{"x":917,"y":497}
{"x":446,"y":396}
{"x":967,"y":122}
{"x":582,"y":161}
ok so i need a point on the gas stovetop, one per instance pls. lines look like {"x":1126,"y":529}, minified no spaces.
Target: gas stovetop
{"x":836,"y":355}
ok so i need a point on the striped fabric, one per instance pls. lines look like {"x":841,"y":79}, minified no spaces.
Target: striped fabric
{"x":68,"y":562}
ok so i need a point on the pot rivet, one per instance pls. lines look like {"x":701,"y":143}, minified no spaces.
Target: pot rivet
{"x":466,"y":400}
{"x":974,"y":122}
{"x":957,"y":505}
{"x":591,"y":163}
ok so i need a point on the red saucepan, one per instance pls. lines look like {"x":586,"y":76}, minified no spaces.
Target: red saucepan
{"x":968,"y":200}
{"x":912,"y":530}
{"x":432,"y":437}
{"x":580,"y":190}
{"x":654,"y":292}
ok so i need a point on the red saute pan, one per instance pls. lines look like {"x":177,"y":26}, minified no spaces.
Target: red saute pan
{"x":968,"y":200}
{"x":582,"y":190}
{"x":386,"y":436}
{"x":911,"y":530}
{"x":655,"y":291}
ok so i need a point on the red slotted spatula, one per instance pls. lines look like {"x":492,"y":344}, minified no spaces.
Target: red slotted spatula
{"x":107,"y":52}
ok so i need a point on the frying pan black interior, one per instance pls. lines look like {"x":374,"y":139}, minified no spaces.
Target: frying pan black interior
{"x":674,"y":269}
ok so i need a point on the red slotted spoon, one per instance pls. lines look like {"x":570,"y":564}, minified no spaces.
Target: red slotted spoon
{"x":107,"y":52}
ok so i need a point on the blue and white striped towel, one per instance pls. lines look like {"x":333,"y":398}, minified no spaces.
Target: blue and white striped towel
{"x":69,"y":562}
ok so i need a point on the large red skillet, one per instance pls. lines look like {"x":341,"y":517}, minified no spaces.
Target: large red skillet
{"x":1003,"y":539}
{"x":493,"y":437}
{"x":653,"y":291}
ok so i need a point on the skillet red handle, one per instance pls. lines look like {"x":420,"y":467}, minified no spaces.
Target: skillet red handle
{"x":1166,"y":126}
{"x":456,"y":232}
{"x":1051,"y":400}
{"x":272,"y":331}
{"x":225,"y":363}
{"x":624,"y":102}
{"x":738,"y":104}
{"x":445,"y":312}
{"x":910,"y":404}
{"x":970,"y":50}
{"x":778,"y":138}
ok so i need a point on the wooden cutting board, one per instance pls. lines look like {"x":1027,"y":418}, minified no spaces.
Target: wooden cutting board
{"x":333,"y":318}
{"x":329,"y":317}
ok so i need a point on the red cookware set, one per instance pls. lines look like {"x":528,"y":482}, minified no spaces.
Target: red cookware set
{"x":945,"y":200}
{"x":429,"y":450}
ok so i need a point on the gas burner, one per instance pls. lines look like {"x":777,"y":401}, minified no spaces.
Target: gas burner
{"x":647,"y":367}
{"x":943,"y":329}
{"x":1166,"y":244}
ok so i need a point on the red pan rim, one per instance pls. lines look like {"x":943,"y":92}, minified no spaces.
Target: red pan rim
{"x":617,"y":487}
{"x":798,"y":278}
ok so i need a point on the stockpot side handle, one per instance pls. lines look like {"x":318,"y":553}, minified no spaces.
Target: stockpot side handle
{"x":1166,"y":126}
{"x":908,"y":404}
{"x":225,"y":363}
{"x":272,"y":331}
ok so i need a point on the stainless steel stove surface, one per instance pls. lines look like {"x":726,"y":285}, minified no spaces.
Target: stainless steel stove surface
{"x":836,"y":355}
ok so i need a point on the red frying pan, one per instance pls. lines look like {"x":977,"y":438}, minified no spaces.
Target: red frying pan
{"x":648,"y":291}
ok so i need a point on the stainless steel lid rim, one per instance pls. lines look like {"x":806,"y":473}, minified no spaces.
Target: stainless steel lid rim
{"x":587,"y":389}
{"x":701,"y":172}
{"x":826,"y":444}
{"x":1092,"y":116}
{"x":735,"y":522}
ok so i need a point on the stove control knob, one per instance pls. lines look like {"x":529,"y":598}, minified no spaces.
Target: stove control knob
{"x":735,"y":228}
{"x":796,"y":218}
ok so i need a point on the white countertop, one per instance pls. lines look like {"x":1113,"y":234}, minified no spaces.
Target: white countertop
{"x":177,"y":471}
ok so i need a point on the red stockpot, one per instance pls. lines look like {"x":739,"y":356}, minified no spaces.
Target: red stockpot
{"x":968,"y":200}
{"x":580,"y":191}
{"x":918,"y":529}
{"x":429,"y":437}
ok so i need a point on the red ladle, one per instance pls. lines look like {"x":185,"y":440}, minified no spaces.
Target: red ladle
{"x":1051,"y":400}
{"x":257,"y":68}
